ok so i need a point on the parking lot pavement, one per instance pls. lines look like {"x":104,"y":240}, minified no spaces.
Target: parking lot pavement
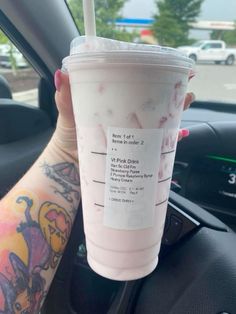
{"x":29,"y":97}
{"x":4,"y":70}
{"x":23,"y":84}
{"x":214,"y":82}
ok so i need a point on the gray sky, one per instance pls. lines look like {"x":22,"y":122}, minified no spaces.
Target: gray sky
{"x":223,"y":10}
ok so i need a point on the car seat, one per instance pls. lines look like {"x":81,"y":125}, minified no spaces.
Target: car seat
{"x":5,"y":90}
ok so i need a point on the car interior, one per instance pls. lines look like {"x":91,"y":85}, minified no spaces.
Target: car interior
{"x":197,"y":266}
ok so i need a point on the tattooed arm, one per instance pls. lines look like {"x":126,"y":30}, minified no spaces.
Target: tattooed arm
{"x":36,"y":216}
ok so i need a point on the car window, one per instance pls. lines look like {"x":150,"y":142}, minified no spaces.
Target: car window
{"x":197,"y":44}
{"x":216,"y":46}
{"x":18,"y":80}
{"x":169,"y":23}
{"x":205,"y":47}
{"x":212,"y":46}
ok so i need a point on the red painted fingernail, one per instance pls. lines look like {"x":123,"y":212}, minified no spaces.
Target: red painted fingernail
{"x":57,"y":80}
{"x":191,"y":75}
{"x":185,"y":132}
{"x":193,"y":97}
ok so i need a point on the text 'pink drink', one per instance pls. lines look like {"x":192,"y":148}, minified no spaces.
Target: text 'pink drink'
{"x":127,"y":101}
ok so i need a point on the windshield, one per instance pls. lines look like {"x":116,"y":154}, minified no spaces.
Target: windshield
{"x":198,"y":44}
{"x":177,"y":23}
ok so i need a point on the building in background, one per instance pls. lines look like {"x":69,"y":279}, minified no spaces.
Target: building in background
{"x":143,"y":26}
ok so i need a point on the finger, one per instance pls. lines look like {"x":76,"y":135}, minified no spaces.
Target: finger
{"x":182,"y":134}
{"x":189,"y":98}
{"x":63,"y":98}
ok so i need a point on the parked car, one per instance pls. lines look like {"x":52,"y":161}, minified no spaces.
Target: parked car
{"x":210,"y":50}
{"x":197,"y":265}
{"x":10,"y":54}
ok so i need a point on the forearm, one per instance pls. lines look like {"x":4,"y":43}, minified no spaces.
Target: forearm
{"x":36,"y":217}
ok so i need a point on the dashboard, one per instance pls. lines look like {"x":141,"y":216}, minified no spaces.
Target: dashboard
{"x":214,"y":180}
{"x":205,"y":166}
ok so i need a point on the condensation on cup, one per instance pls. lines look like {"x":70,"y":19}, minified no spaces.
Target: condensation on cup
{"x":127,"y":101}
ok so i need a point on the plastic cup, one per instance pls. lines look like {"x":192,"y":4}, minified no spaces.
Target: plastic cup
{"x":127,"y":102}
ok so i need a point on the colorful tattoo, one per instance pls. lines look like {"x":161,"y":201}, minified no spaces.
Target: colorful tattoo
{"x":67,"y":176}
{"x":55,"y":224}
{"x":24,"y":288}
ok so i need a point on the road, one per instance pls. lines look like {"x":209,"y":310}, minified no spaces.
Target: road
{"x":214,"y":82}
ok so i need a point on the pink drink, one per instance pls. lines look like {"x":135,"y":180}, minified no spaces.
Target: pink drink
{"x":127,"y":101}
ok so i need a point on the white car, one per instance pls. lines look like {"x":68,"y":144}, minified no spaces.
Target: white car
{"x":5,"y":57}
{"x":210,"y":50}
